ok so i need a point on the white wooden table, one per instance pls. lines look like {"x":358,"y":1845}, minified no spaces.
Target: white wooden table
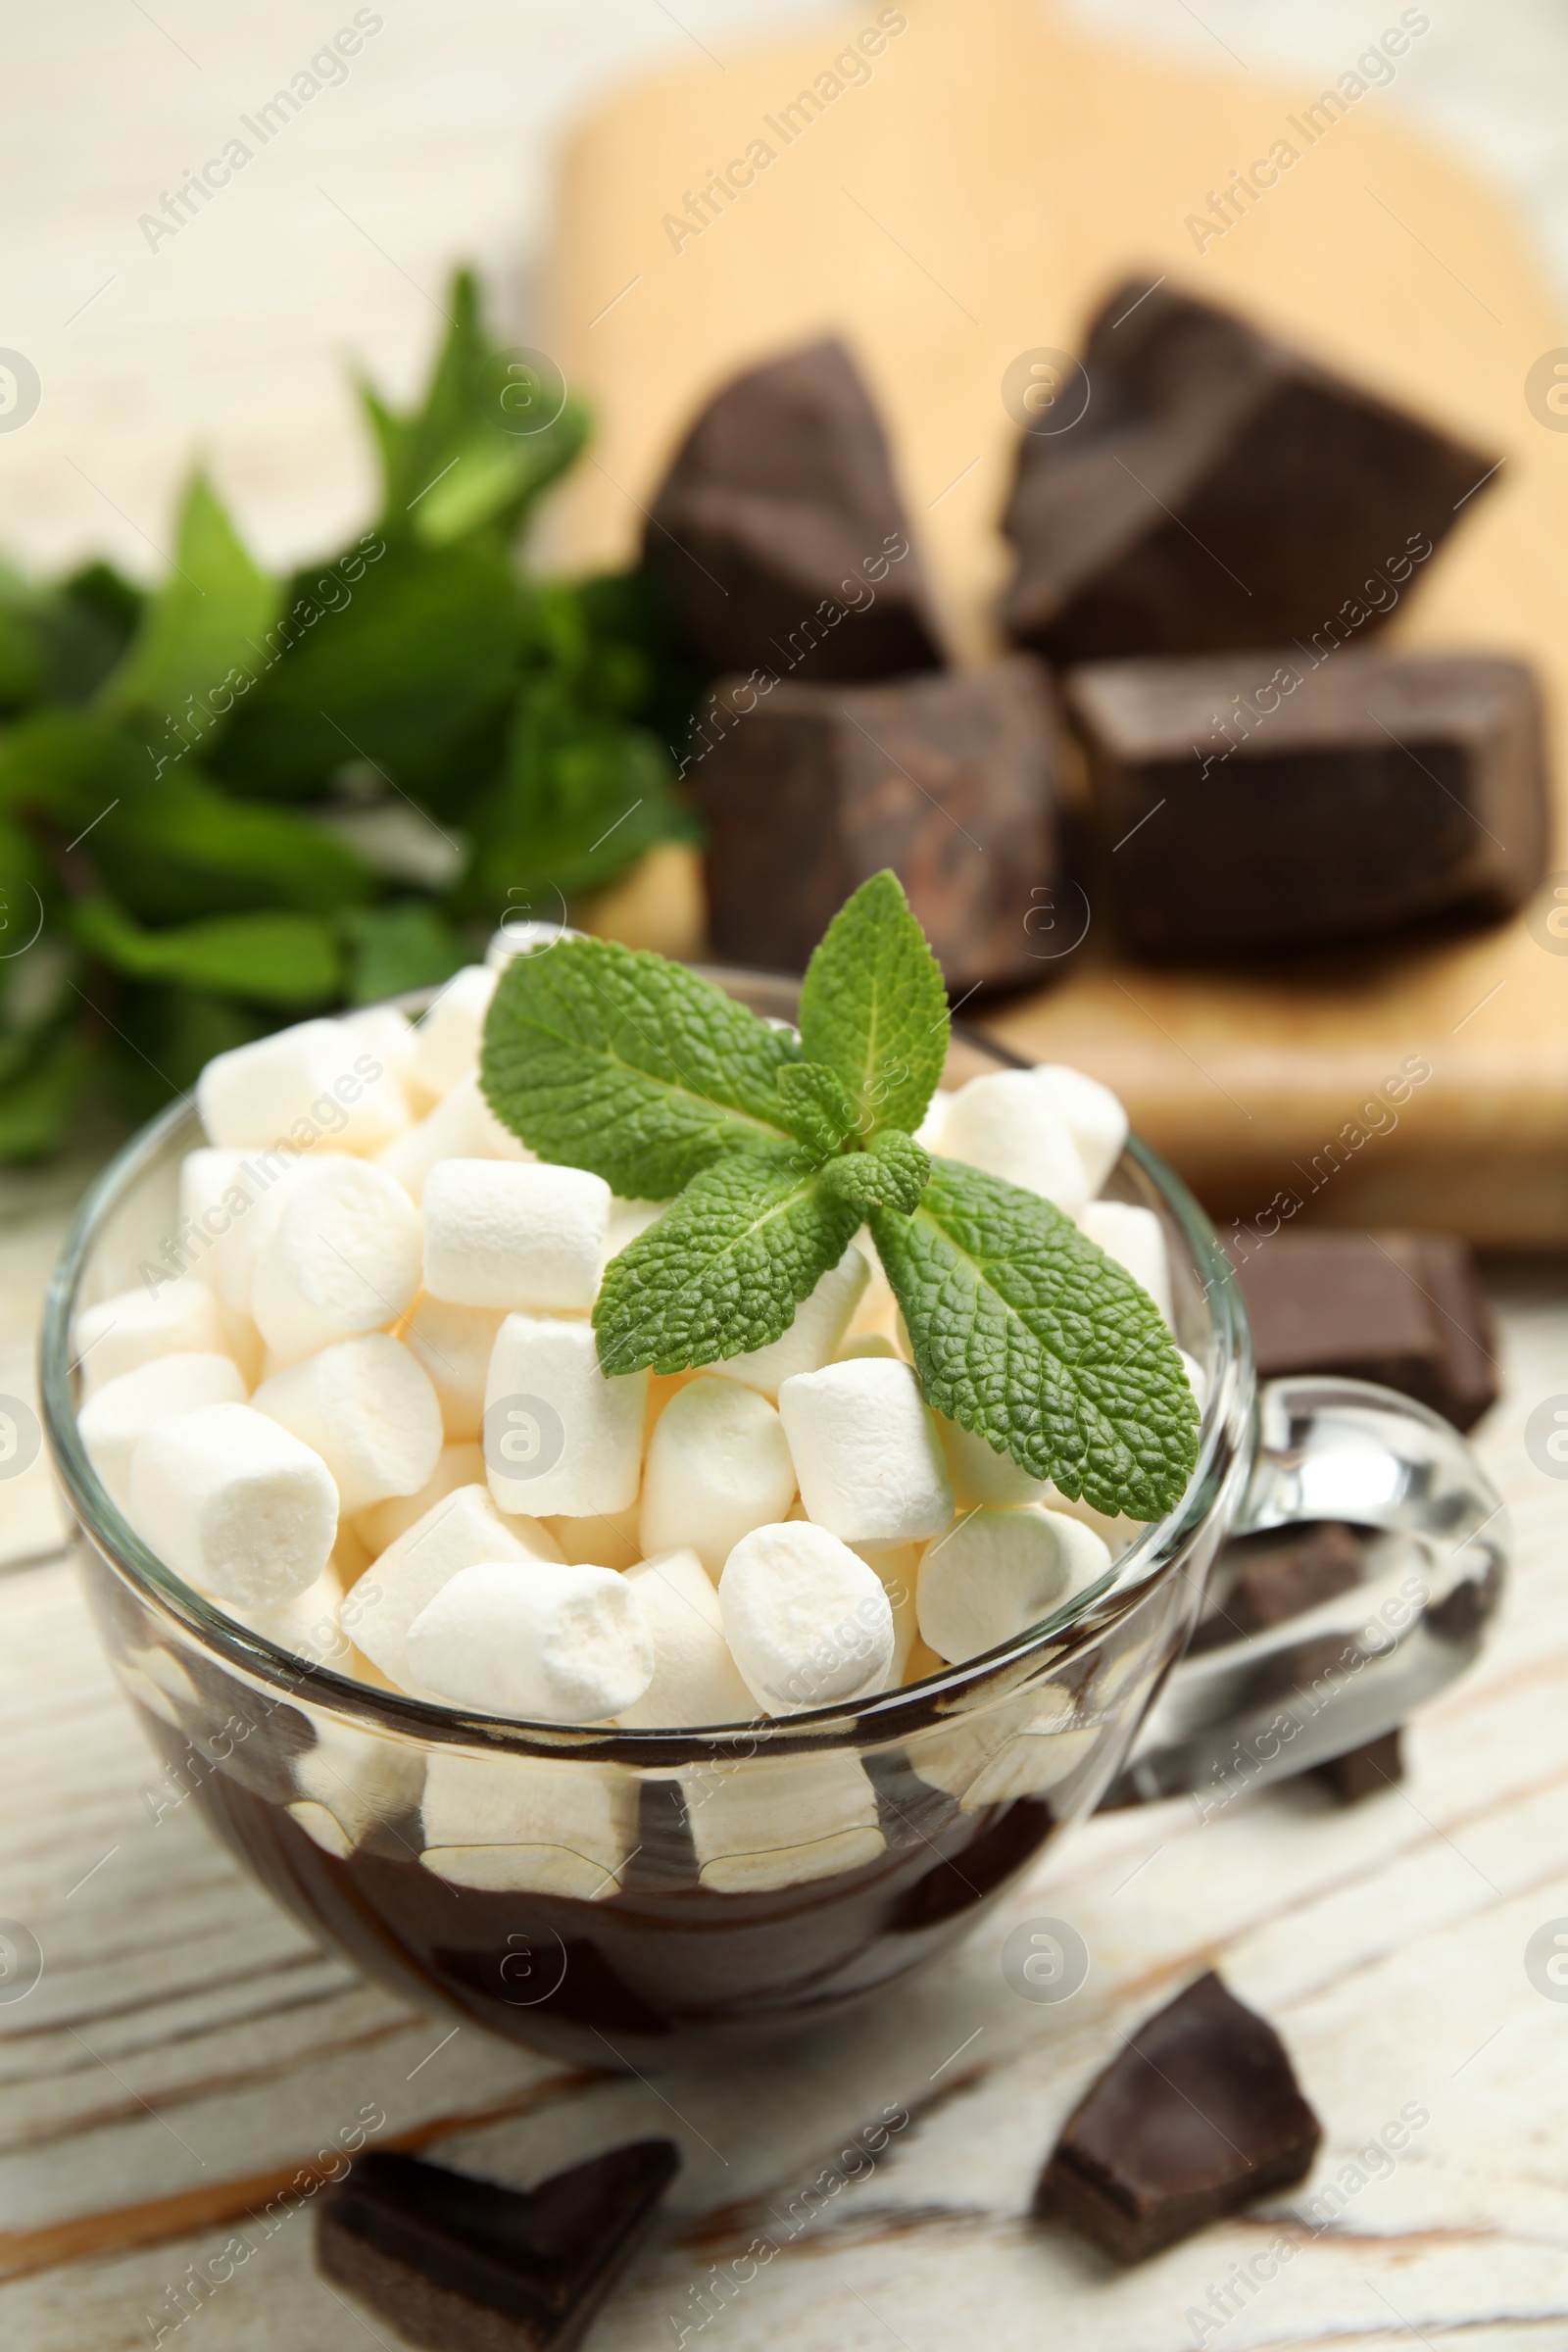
{"x":187,"y":2053}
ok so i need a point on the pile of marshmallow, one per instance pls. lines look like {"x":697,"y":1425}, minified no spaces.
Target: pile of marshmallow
{"x":358,"y":1402}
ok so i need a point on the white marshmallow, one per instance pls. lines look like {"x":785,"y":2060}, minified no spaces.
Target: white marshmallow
{"x":262,"y":1182}
{"x":929,"y":1131}
{"x":718,"y":1465}
{"x":1006,"y":1125}
{"x":454,"y":1345}
{"x":778,"y":1822}
{"x":897,"y":1568}
{"x":233,"y":1503}
{"x":463,"y":1530}
{"x":517,"y":937}
{"x":118,"y":1416}
{"x":877,"y":1309}
{"x":1117,"y":1532}
{"x":529,"y":1237}
{"x":299,"y":1085}
{"x":383,"y":1522}
{"x":1094,"y":1117}
{"x":461,"y":1126}
{"x":309,"y":1623}
{"x":807,"y":1623}
{"x":369,"y":1411}
{"x":820,"y":1321}
{"x":387,"y":1032}
{"x":549,"y":1642}
{"x":343,"y":1257}
{"x":560,"y":1437}
{"x":516,"y":1823}
{"x":866,"y":1452}
{"x":694,"y":1679}
{"x":996,"y":1573}
{"x":446,"y":1043}
{"x":1135,"y":1237}
{"x":1197,"y":1378}
{"x":349,"y":1782}
{"x":210,"y":1194}
{"x":981,"y":1476}
{"x":137,"y":1326}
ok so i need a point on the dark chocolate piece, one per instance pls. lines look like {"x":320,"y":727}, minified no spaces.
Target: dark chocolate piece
{"x":459,"y":2264}
{"x":1200,"y":2113}
{"x":1402,"y":1308}
{"x":1262,"y":1584}
{"x":1261,"y":802}
{"x":1363,"y":1771}
{"x":949,"y":779}
{"x":778,"y":535}
{"x":1221,"y":489}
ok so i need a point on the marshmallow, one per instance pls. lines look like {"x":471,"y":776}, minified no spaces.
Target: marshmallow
{"x":1096,"y":1120}
{"x":258,"y":1190}
{"x":897,"y":1568}
{"x":343,"y":1258}
{"x":461,"y":1126}
{"x":981,"y":1476}
{"x":997,"y":1573}
{"x":349,"y":1782}
{"x":1007,"y":1126}
{"x":1026,"y":1748}
{"x":560,"y":1437}
{"x":820,"y":1321}
{"x":137,"y":1326}
{"x":866,"y":1452}
{"x":718,"y":1466}
{"x":694,"y":1681}
{"x":446,"y":1043}
{"x":118,"y":1416}
{"x":521,"y":1824}
{"x":383,"y":1522}
{"x":369,"y":1411}
{"x":597,"y":1541}
{"x":454,"y":1345}
{"x":520,"y":937}
{"x":929,"y":1131}
{"x":548,"y":1643}
{"x":309,"y":1623}
{"x":877,"y":1309}
{"x":1117,"y":1532}
{"x":210,"y":1197}
{"x":298,"y":1085}
{"x":463,"y":1530}
{"x":776,"y":1823}
{"x":1197,"y":1378}
{"x":1135,"y":1237}
{"x":513,"y":1237}
{"x":807,"y":1623}
{"x":233,"y":1503}
{"x":387,"y":1032}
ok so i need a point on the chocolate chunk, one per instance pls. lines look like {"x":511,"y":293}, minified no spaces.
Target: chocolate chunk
{"x":950,"y":779}
{"x":461,"y":2266}
{"x":1221,"y":489}
{"x":1363,"y":1771}
{"x":1200,"y":2113}
{"x":1405,"y":1309}
{"x":1266,"y":1583}
{"x":778,"y":535}
{"x":1262,"y":801}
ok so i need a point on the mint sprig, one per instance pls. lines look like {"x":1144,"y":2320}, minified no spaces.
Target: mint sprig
{"x":774,"y":1148}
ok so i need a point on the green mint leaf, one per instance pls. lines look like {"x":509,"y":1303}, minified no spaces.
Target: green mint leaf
{"x":614,"y":1059}
{"x":873,"y":1007}
{"x":724,"y":1269}
{"x":195,"y":635}
{"x":37,"y":1098}
{"x":891,"y":1173}
{"x":494,"y":431}
{"x":269,"y":958}
{"x":816,"y":1107}
{"x":1028,"y":1336}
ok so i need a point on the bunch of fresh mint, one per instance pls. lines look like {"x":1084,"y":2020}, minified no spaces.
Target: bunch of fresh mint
{"x":240,"y":800}
{"x":775,"y":1146}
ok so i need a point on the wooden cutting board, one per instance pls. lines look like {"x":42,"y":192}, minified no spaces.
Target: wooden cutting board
{"x":972,"y":199}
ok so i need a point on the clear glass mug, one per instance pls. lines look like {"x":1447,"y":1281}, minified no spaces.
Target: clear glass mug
{"x":617,"y":1896}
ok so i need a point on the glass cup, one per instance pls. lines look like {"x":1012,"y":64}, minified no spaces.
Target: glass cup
{"x":622,"y":1897}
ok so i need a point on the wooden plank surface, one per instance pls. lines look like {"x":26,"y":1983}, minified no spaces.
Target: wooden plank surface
{"x":187,"y":2052}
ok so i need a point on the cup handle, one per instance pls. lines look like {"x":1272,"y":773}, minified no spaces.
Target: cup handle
{"x":1269,"y":1704}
